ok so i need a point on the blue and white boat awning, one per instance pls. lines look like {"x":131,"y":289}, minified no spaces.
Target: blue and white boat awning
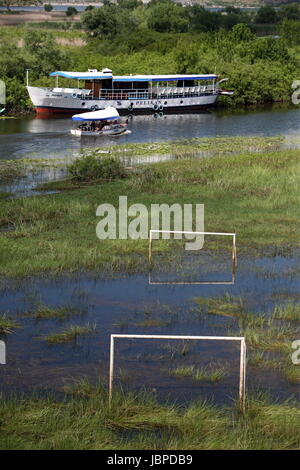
{"x":82,"y":75}
{"x":107,"y":114}
{"x":95,"y":75}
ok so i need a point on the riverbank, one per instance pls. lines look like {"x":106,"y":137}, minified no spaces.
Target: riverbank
{"x":22,"y":18}
{"x":253,"y":194}
{"x":84,"y":421}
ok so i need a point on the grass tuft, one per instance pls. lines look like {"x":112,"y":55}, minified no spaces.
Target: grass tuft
{"x":7,"y":325}
{"x":44,"y":312}
{"x":69,"y":334}
{"x":210,"y":373}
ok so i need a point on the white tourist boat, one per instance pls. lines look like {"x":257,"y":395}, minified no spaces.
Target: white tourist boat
{"x":129,"y":94}
{"x":97,"y":123}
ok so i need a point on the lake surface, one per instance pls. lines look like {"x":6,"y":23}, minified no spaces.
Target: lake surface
{"x":33,"y":137}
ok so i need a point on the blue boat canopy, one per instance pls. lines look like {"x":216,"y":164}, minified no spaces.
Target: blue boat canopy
{"x":90,"y":75}
{"x":107,"y":73}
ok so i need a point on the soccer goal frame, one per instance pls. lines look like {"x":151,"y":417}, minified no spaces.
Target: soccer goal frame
{"x":233,"y":257}
{"x":241,"y":339}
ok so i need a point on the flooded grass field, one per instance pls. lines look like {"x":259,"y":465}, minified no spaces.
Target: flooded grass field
{"x":40,"y":308}
{"x":63,"y":292}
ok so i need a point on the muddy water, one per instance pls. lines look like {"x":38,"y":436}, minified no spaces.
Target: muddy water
{"x":128,"y":304}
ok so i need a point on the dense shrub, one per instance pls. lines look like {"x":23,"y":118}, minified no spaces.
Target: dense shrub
{"x":71,"y":11}
{"x":48,"y":7}
{"x":91,"y":167}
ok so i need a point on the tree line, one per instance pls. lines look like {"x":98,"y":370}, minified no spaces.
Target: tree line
{"x":260,"y":69}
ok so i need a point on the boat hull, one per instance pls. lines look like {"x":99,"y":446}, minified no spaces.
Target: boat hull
{"x":79,"y":133}
{"x":47,"y":102}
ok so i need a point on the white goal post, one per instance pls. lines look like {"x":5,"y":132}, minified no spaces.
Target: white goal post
{"x":241,"y":339}
{"x":226,"y":234}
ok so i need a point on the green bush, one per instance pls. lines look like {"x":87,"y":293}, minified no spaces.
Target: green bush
{"x":71,"y":11}
{"x":48,"y":7}
{"x":91,"y":167}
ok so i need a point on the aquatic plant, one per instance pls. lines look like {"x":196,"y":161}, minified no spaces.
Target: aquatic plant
{"x":44,"y":312}
{"x":70,"y":333}
{"x":258,"y":359}
{"x":289,"y":311}
{"x":211,"y":373}
{"x":7,"y":325}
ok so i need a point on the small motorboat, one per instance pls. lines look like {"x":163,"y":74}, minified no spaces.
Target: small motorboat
{"x":2,"y":111}
{"x":103,"y":122}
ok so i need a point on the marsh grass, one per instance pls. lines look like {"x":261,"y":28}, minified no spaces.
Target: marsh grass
{"x":83,"y":420}
{"x":291,"y":372}
{"x":176,"y":350}
{"x":271,"y":338}
{"x":225,"y":305}
{"x":44,"y":312}
{"x":7,"y":325}
{"x":264,"y":331}
{"x":70,"y":333}
{"x":156,"y":314}
{"x":211,"y":373}
{"x":5,"y":194}
{"x":290,"y":311}
{"x":283,"y":363}
{"x":259,"y":360}
{"x":187,"y":148}
{"x":152,"y":322}
{"x":238,"y":191}
{"x":11,"y":170}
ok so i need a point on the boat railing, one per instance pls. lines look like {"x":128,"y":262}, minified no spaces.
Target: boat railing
{"x":157,"y":93}
{"x":179,"y":92}
{"x":124,"y":94}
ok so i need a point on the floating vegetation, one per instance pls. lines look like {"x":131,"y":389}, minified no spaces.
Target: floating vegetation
{"x":225,"y":305}
{"x":7,"y":325}
{"x":151,"y":322}
{"x":183,"y":371}
{"x":69,"y":334}
{"x":44,"y":312}
{"x":210,"y":373}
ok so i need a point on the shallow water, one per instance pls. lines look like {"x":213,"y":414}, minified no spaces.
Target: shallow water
{"x":122,"y":305}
